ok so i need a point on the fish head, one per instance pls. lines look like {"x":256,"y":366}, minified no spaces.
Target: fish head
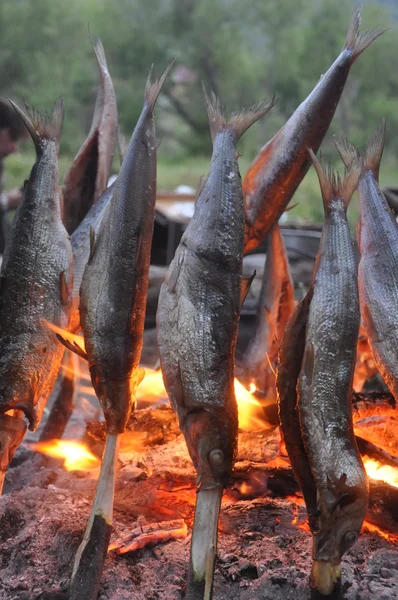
{"x":12,"y":431}
{"x":211,"y":440}
{"x":338,"y":530}
{"x":116,"y":395}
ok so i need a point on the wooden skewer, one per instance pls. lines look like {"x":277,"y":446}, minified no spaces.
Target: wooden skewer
{"x":90,"y":557}
{"x":204,"y":545}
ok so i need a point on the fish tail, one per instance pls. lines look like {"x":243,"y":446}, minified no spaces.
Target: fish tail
{"x":99,"y":53}
{"x":153,"y":88}
{"x":371,"y":157}
{"x":239,"y":122}
{"x":357,"y":42}
{"x":332,"y":186}
{"x":348,"y":152}
{"x":374,"y":150}
{"x":42,"y":127}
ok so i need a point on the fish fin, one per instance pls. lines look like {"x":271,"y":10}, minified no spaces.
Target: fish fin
{"x":291,"y":207}
{"x":270,"y":364}
{"x":308,"y":362}
{"x":65,"y":295}
{"x":358,"y":42}
{"x":358,"y":230}
{"x":152,"y":89}
{"x":245,"y":284}
{"x":348,"y":152}
{"x":332,"y":186}
{"x":40,"y":127}
{"x":122,"y":144}
{"x":174,"y":274}
{"x":374,"y":150}
{"x":179,"y":389}
{"x":201,"y":185}
{"x":239,"y":122}
{"x":99,"y":53}
{"x":268,"y":315}
{"x":369,"y":324}
{"x":92,"y":243}
{"x":73,"y":347}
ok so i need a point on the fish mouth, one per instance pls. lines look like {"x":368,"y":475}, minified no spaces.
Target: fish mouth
{"x":204,"y":544}
{"x":325,"y":579}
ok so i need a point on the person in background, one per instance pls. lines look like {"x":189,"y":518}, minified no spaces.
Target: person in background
{"x":12,"y":131}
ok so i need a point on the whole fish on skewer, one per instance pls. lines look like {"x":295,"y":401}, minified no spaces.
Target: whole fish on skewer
{"x":36,"y":279}
{"x":283,"y":162}
{"x":112,"y":310}
{"x":197,"y":321}
{"x":65,"y":401}
{"x":88,"y":176}
{"x":290,"y":358}
{"x":275,"y":306}
{"x":325,"y":386}
{"x":378,"y":267}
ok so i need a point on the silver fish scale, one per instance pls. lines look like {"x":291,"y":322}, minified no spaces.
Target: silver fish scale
{"x":378,"y":278}
{"x":332,"y":330}
{"x":199,"y":302}
{"x":37,"y":253}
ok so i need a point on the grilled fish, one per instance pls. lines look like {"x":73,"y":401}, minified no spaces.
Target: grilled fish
{"x":325,"y":385}
{"x":378,"y":267}
{"x":36,"y":278}
{"x":282,"y":163}
{"x":197,"y":320}
{"x":115,"y":281}
{"x":88,"y":176}
{"x":275,"y":306}
{"x":290,"y":357}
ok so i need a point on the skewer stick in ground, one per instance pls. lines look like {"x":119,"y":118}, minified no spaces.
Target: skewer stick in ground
{"x":204,"y":545}
{"x":90,"y":557}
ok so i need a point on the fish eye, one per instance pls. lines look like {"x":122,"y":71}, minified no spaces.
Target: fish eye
{"x":350,"y":538}
{"x":216,"y":457}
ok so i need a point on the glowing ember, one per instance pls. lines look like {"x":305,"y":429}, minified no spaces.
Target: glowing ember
{"x":376,"y":470}
{"x":76,"y":456}
{"x":370,"y":528}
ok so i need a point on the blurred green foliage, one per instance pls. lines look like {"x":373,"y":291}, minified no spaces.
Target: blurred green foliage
{"x":243,"y":51}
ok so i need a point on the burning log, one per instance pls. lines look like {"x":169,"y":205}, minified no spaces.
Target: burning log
{"x":150,"y":535}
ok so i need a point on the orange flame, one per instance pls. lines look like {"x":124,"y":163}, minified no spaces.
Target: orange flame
{"x":376,"y":470}
{"x":370,"y":528}
{"x":76,"y":456}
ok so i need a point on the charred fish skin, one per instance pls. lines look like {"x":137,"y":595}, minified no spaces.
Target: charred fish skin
{"x":115,"y":281}
{"x":378,"y":266}
{"x":199,"y":307}
{"x":36,"y":278}
{"x":88,"y":176}
{"x":290,"y":358}
{"x":325,"y":384}
{"x":283,"y":162}
{"x":276,"y":304}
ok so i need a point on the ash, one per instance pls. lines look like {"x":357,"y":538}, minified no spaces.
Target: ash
{"x":264,"y":549}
